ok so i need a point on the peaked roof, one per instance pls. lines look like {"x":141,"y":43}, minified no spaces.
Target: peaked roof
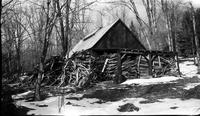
{"x":91,"y":39}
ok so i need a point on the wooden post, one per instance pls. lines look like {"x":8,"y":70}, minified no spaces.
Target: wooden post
{"x":90,"y":60}
{"x":104,"y":66}
{"x":159,"y":62}
{"x":138,"y":66}
{"x":61,"y":99}
{"x":177,"y":63}
{"x":119,"y":68}
{"x":150,"y":65}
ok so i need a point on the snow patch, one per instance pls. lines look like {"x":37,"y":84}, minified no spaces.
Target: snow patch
{"x":184,"y":107}
{"x":74,"y":95}
{"x":191,"y":85}
{"x":188,"y":69}
{"x":164,"y":79}
{"x":49,"y":100}
{"x":21,"y":95}
{"x":87,"y":106}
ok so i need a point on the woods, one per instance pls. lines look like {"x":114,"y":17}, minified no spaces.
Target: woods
{"x":33,"y":31}
{"x":84,"y":57}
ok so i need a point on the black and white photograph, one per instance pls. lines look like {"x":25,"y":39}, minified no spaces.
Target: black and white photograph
{"x":100,"y":57}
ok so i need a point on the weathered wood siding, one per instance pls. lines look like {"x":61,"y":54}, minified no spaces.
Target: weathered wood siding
{"x":118,"y":37}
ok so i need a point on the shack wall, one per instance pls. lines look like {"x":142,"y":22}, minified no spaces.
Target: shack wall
{"x":119,"y":37}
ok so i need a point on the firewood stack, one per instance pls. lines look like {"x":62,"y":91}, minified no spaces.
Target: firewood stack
{"x":128,"y":65}
{"x":84,"y":68}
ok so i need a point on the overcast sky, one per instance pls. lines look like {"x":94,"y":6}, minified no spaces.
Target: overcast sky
{"x":196,"y":3}
{"x":107,"y":18}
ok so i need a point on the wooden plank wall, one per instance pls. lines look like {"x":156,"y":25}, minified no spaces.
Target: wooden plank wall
{"x":131,"y":63}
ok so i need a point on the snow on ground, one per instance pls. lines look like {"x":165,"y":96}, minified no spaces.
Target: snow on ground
{"x":188,"y":69}
{"x":87,"y":106}
{"x":18,"y":96}
{"x":51,"y":109}
{"x":191,"y":85}
{"x":186,"y":107}
{"x":164,"y":79}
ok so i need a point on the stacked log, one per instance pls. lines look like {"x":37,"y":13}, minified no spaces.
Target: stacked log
{"x":144,"y":68}
{"x":129,"y":68}
{"x":84,"y":68}
{"x":128,"y":65}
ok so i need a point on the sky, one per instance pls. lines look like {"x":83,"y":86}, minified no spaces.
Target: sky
{"x":196,"y":3}
{"x":107,"y":20}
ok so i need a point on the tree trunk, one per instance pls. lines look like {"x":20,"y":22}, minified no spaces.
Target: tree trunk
{"x":67,"y":29}
{"x":48,"y":31}
{"x":64,"y":29}
{"x":142,"y":30}
{"x":38,"y":83}
{"x":9,"y":62}
{"x":18,"y":61}
{"x":196,"y":38}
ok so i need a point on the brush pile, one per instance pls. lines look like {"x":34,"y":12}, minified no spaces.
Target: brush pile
{"x":60,"y":72}
{"x":53,"y":68}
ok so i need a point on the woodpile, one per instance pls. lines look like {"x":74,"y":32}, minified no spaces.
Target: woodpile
{"x":53,"y":68}
{"x":84,"y":69}
{"x":108,"y":64}
{"x":136,"y":66}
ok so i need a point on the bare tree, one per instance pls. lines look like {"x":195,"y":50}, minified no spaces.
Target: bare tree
{"x":50,"y":17}
{"x":36,"y":23}
{"x":6,"y":8}
{"x":81,"y":21}
{"x":64,"y":28}
{"x":68,"y":20}
{"x":7,"y":46}
{"x":20,"y":27}
{"x":14,"y":26}
{"x":171,"y":14}
{"x":144,"y":33}
{"x":99,"y":22}
{"x":172,"y":18}
{"x":6,"y":39}
{"x":123,"y":13}
{"x":150,"y":6}
{"x":195,"y":37}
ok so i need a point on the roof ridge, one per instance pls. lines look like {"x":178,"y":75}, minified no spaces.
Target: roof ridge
{"x":99,"y":28}
{"x":91,"y":34}
{"x":91,"y":39}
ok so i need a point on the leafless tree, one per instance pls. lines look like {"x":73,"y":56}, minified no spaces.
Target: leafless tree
{"x":68,"y":19}
{"x":50,"y":18}
{"x":171,"y":13}
{"x":195,"y":37}
{"x":130,"y":4}
{"x":14,"y":28}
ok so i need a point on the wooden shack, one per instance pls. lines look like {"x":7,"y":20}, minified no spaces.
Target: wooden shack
{"x":116,"y":51}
